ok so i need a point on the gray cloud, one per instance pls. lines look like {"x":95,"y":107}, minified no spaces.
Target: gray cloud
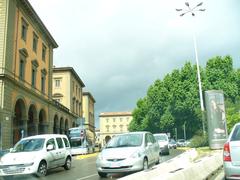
{"x":120,"y":47}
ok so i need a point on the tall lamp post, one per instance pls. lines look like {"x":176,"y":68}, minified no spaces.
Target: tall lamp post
{"x":192,"y":11}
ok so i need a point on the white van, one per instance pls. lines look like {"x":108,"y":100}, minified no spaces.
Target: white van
{"x":37,"y":154}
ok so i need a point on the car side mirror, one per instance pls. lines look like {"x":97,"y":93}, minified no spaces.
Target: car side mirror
{"x":11,"y":149}
{"x":50,"y":147}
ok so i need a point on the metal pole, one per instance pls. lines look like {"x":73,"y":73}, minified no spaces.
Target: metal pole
{"x":199,"y":82}
{"x":184,"y":130}
{"x":192,"y":11}
{"x":176,"y":133}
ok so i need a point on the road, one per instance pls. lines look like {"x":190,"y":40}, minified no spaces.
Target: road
{"x":84,"y":168}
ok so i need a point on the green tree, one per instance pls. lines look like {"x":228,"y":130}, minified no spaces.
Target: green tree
{"x":174,"y":101}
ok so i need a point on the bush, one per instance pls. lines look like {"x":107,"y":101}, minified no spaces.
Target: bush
{"x":199,"y":141}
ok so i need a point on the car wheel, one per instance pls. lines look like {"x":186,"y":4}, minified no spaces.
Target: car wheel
{"x":158,"y":159}
{"x":102,"y":174}
{"x":42,"y":169}
{"x":145,"y":164}
{"x":68,"y":163}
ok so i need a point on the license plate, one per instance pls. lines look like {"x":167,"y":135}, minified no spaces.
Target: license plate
{"x":114,"y":165}
{"x":12,"y":168}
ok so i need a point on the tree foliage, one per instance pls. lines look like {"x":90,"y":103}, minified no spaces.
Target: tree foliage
{"x":174,"y":101}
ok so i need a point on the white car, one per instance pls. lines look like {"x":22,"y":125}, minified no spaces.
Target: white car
{"x":163,"y":142}
{"x":128,"y":152}
{"x":35,"y":155}
{"x":231,"y":154}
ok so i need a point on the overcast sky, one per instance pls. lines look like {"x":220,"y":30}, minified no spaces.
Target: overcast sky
{"x":120,"y":47}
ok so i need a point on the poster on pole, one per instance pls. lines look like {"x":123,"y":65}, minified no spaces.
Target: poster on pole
{"x":216,"y":118}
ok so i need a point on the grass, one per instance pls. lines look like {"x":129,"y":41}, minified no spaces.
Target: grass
{"x":202,"y":151}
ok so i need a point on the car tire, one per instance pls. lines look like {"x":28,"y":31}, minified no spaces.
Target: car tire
{"x":68,"y":164}
{"x":145,"y":164}
{"x":42,"y":169}
{"x":102,"y":174}
{"x":158,"y":159}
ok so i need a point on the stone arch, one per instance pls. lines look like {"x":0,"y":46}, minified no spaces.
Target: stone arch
{"x":32,"y":121}
{"x":19,"y":124}
{"x":42,"y":126}
{"x":66,"y":126}
{"x":73,"y":124}
{"x":56,"y":125}
{"x":61,"y":125}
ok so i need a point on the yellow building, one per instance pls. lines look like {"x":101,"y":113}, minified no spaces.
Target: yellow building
{"x":26,"y":60}
{"x":113,"y":123}
{"x":88,"y":114}
{"x":67,"y":89}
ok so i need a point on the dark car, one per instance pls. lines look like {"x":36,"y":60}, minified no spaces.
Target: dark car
{"x":172,"y":144}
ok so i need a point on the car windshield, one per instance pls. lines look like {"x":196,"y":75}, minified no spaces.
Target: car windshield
{"x":160,"y":137}
{"x":27,"y":145}
{"x":236,"y":134}
{"x":74,"y":132}
{"x":126,"y":140}
{"x":181,"y":140}
{"x":172,"y":141}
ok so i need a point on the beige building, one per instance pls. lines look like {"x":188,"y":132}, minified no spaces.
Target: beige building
{"x":26,"y":60}
{"x":113,"y":123}
{"x":88,"y":114}
{"x":67,"y":89}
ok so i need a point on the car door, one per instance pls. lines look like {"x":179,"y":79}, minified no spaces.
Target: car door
{"x":52,"y":155}
{"x":149,"y":145}
{"x":155,"y":148}
{"x":60,"y":152}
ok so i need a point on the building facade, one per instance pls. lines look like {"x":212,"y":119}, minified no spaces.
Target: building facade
{"x":67,"y":89}
{"x":113,"y":123}
{"x":88,"y":114}
{"x":26,"y":60}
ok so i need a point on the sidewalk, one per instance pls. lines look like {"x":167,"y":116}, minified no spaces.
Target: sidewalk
{"x":183,"y":167}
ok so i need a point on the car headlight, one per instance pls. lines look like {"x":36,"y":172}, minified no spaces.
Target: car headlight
{"x":28,"y":164}
{"x":136,"y":154}
{"x":100,"y":157}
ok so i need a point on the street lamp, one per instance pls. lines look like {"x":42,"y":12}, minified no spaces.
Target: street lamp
{"x":192,"y":11}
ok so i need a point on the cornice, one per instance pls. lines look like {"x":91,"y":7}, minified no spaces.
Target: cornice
{"x":69,"y":69}
{"x":27,"y":7}
{"x":89,"y":95}
{"x":115,"y":114}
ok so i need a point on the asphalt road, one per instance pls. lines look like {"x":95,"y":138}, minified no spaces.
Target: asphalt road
{"x":84,"y":168}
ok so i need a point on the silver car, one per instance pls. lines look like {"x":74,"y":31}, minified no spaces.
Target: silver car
{"x":128,"y":152}
{"x":231,"y":154}
{"x":35,"y":155}
{"x":163,"y":142}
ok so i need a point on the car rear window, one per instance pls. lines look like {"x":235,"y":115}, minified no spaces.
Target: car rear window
{"x":236,"y":134}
